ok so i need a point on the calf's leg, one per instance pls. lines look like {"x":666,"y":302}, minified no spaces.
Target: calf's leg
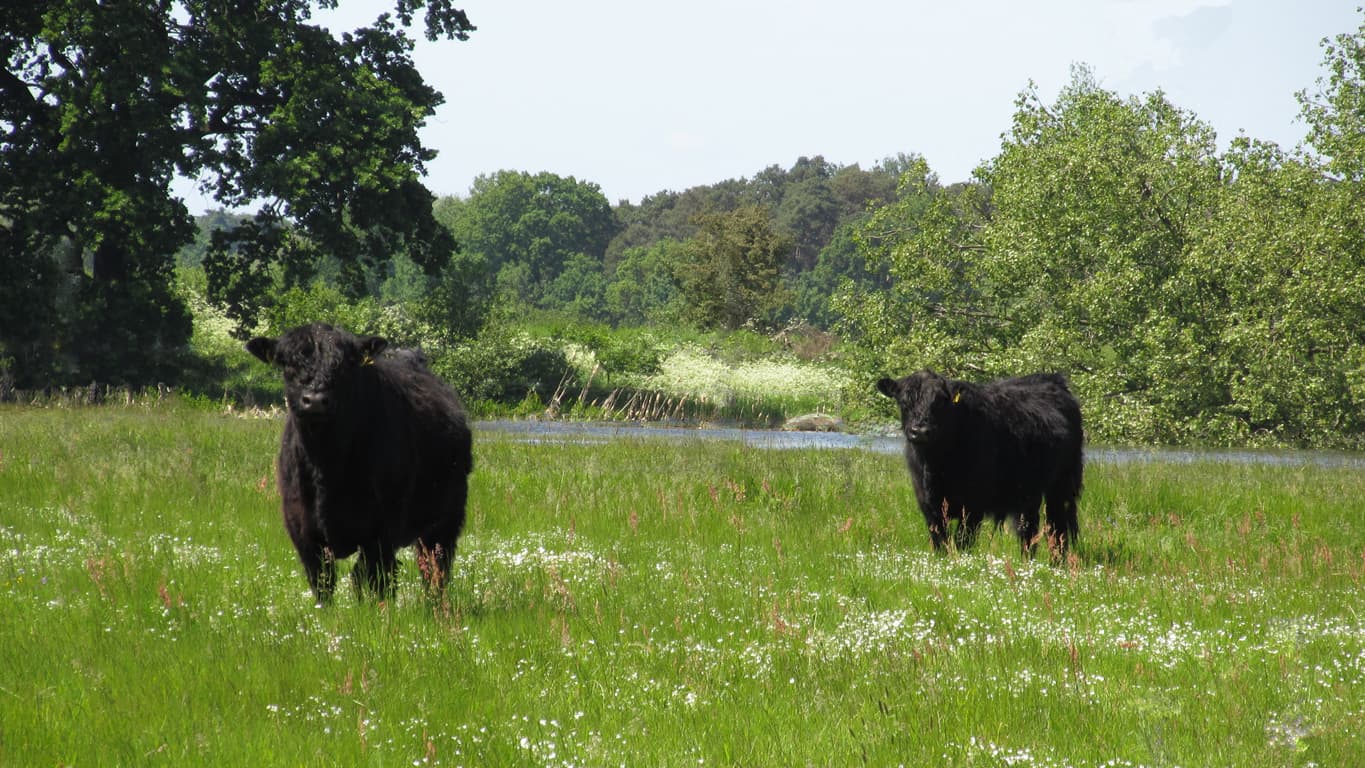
{"x":969,"y":524}
{"x":1026,"y":523}
{"x":936,"y":517}
{"x":1062,"y":523}
{"x":374,"y":570}
{"x":319,"y":563}
{"x":436,"y":546}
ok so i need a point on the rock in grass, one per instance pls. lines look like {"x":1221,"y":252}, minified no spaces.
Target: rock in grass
{"x":813,"y":422}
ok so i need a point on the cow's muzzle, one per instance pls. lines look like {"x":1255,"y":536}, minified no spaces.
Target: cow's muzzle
{"x":314,"y":403}
{"x":917,"y":434}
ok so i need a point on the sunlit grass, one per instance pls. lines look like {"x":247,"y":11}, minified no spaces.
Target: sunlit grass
{"x":649,"y":603}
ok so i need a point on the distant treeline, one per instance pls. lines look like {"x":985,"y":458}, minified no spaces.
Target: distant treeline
{"x":759,"y":251}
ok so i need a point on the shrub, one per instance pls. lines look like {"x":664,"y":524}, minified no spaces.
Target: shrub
{"x":503,"y":368}
{"x":324,"y":303}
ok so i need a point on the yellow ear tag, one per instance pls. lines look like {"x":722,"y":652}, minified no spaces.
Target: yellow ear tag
{"x":957,"y":397}
{"x":367,"y":361}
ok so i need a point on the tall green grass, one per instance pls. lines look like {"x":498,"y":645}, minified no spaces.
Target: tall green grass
{"x":651,"y":603}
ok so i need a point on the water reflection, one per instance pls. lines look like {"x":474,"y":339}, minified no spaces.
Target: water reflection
{"x":588,"y":433}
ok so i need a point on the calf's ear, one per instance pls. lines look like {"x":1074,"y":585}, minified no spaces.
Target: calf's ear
{"x":956,"y":392}
{"x":371,"y":346}
{"x":263,"y":348}
{"x":888,"y":387}
{"x":948,"y":390}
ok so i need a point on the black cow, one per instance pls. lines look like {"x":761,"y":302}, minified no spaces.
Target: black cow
{"x":992,"y":450}
{"x":375,"y":456}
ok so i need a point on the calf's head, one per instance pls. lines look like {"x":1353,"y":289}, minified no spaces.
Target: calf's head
{"x":321,"y":365}
{"x":927,"y":402}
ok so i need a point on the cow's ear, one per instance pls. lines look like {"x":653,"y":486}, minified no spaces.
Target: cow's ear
{"x":371,"y":347}
{"x":263,"y":348}
{"x":888,"y":387}
{"x":954,"y":391}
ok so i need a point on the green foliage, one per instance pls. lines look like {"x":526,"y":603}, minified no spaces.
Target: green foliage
{"x":1335,"y":113}
{"x":635,"y":354}
{"x":1094,"y":199}
{"x":842,"y":260}
{"x":503,"y":366}
{"x":626,"y":352}
{"x":1280,"y":273}
{"x":579,"y":288}
{"x":808,"y":211}
{"x":104,"y":103}
{"x":531,"y":230}
{"x":807,"y":204}
{"x":219,"y":366}
{"x":1191,"y":297}
{"x":642,"y":288}
{"x":461,"y":299}
{"x":732,"y":269}
{"x":130,"y":332}
{"x":250,"y":264}
{"x":926,"y":312}
{"x":324,"y":303}
{"x":29,"y":321}
{"x":666,"y":216}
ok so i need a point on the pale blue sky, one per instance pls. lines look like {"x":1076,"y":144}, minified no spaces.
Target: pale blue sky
{"x":640,"y":97}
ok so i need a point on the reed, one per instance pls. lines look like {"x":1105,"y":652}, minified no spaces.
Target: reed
{"x":628,"y":404}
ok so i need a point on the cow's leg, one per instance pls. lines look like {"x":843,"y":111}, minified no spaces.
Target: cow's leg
{"x":436,"y":546}
{"x":318,"y":563}
{"x":320,"y":567}
{"x":374,"y":570}
{"x":1026,"y":523}
{"x":969,"y":524}
{"x":386,"y":573}
{"x":362,"y":574}
{"x":1062,"y":522}
{"x":936,"y":517}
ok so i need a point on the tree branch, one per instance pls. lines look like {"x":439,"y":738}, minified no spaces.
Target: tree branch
{"x":20,"y":92}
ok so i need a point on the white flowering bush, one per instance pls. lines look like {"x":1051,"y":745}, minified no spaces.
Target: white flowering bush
{"x":691,"y":371}
{"x":212,"y":334}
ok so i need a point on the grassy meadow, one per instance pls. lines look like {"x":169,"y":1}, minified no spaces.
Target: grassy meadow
{"x":648,"y":603}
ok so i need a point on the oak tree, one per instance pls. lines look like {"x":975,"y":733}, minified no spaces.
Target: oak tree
{"x":102,"y":105}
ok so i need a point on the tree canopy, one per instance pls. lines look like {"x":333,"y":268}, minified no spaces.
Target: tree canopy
{"x":1192,"y":296}
{"x":730,"y":271}
{"x":105,"y":103}
{"x":532,"y":229}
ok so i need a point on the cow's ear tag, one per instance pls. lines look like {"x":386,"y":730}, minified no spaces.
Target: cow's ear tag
{"x":957,"y":397}
{"x":369,"y":360}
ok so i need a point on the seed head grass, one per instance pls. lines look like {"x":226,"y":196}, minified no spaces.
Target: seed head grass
{"x":646,"y":602}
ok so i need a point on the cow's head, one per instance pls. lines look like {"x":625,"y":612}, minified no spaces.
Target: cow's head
{"x":928,"y":404}
{"x":320,"y":365}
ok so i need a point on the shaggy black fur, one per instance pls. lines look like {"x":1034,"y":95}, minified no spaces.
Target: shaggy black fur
{"x":375,"y":456}
{"x":992,"y":450}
